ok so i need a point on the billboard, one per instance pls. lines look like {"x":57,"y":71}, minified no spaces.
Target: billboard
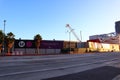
{"x":45,"y":44}
{"x":24,"y":44}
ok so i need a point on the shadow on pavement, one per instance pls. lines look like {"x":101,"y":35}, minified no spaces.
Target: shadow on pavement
{"x":102,"y":73}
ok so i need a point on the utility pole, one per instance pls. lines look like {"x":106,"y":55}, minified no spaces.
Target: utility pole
{"x":70,"y":41}
{"x":81,"y":35}
{"x":4,"y":36}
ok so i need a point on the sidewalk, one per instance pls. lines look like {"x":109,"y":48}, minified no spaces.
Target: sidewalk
{"x":41,"y":57}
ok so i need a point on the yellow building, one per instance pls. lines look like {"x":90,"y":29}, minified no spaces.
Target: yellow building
{"x":97,"y":46}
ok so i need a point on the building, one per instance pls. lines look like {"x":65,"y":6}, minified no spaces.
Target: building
{"x":117,"y":27}
{"x":105,"y":42}
{"x":110,"y":38}
{"x":46,"y":47}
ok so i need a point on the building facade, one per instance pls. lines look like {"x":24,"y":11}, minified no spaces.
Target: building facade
{"x":46,"y":47}
{"x":117,"y":27}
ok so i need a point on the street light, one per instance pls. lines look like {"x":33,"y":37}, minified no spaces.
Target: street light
{"x":81,"y":35}
{"x":4,"y":36}
{"x":70,"y":40}
{"x":4,"y":25}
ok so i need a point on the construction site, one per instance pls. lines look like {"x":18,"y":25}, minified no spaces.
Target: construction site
{"x":109,"y":42}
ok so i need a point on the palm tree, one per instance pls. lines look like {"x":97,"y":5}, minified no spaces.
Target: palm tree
{"x":10,"y":41}
{"x":1,"y":40}
{"x":37,"y":39}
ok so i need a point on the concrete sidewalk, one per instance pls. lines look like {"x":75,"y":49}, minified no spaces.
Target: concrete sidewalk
{"x":42,"y":57}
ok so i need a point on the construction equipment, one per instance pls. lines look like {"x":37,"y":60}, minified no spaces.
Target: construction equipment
{"x":72,"y":30}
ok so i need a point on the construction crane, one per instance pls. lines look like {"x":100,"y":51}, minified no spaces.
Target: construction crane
{"x":72,"y":30}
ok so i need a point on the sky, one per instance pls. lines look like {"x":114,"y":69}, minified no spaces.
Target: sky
{"x":26,"y":18}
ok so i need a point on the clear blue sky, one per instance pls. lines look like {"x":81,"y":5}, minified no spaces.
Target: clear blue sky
{"x":26,"y":18}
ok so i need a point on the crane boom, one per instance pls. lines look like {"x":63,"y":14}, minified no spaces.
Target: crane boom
{"x":67,"y":25}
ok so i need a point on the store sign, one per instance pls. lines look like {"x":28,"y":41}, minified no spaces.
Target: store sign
{"x":51,"y":44}
{"x":24,"y":44}
{"x":28,"y":44}
{"x":21,"y":44}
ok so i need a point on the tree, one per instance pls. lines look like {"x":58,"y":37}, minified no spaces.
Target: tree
{"x":1,"y":40}
{"x":10,"y":41}
{"x":37,"y":39}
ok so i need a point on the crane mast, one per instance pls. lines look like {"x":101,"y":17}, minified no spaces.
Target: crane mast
{"x":72,"y":30}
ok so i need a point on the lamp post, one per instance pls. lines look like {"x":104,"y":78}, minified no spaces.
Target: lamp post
{"x":4,"y":36}
{"x":81,"y":35}
{"x":70,"y":40}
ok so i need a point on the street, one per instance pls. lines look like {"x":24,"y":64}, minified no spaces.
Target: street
{"x":61,"y":67}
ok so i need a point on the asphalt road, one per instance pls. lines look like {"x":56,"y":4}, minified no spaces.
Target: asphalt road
{"x":99,"y":66}
{"x":102,"y":73}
